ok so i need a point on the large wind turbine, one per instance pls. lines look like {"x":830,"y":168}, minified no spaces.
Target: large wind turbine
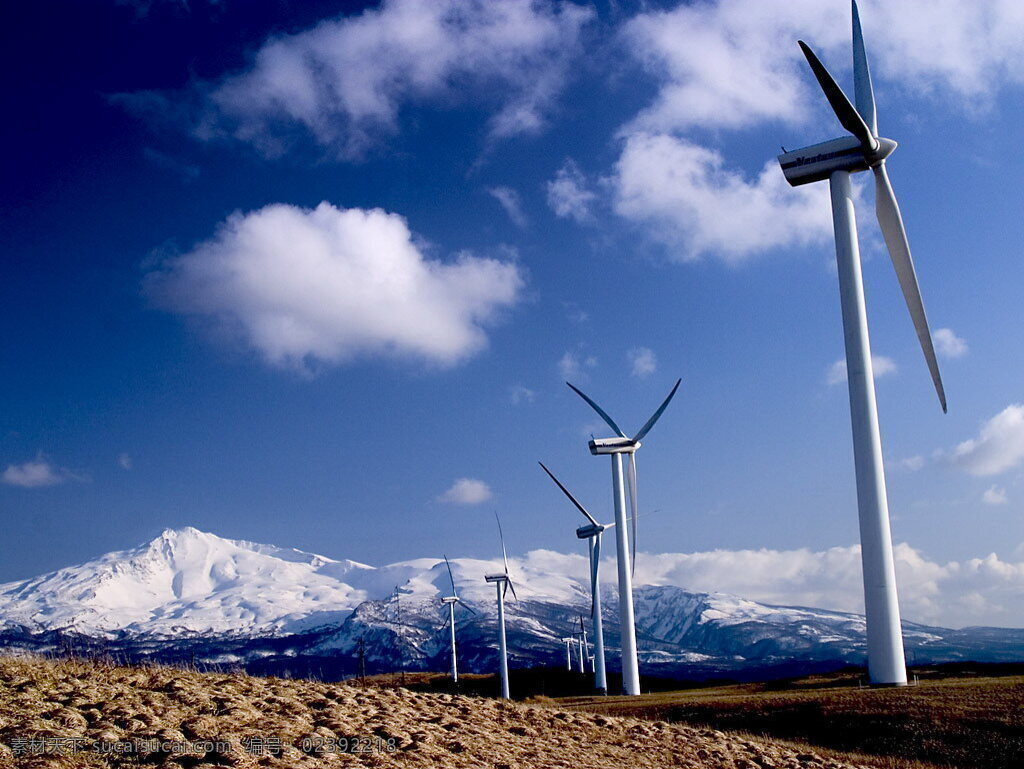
{"x":503,"y":583}
{"x":835,"y":160}
{"x":617,"y":447}
{"x":451,"y":600}
{"x":592,"y":533}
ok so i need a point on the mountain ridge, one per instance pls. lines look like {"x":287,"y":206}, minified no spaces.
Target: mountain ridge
{"x":189,"y":593}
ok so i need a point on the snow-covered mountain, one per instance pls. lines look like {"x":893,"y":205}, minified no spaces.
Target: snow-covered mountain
{"x":190,"y":594}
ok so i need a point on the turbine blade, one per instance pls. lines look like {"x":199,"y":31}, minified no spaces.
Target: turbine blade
{"x":610,"y":422}
{"x":567,"y":493}
{"x":510,"y":586}
{"x":657,"y":414}
{"x":501,"y":536}
{"x":447,"y":620}
{"x":862,"y":89}
{"x":846,"y":112}
{"x":891,"y":222}
{"x":631,"y":477}
{"x":467,"y":607}
{"x":452,"y":578}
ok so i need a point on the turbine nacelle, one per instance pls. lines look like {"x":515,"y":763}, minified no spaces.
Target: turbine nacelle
{"x":590,"y":530}
{"x":496,"y":577}
{"x":450,"y":599}
{"x":819,"y":161}
{"x":613,"y":445}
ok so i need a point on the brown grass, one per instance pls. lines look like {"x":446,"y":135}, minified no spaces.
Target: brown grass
{"x":975,"y":723}
{"x":180,"y":709}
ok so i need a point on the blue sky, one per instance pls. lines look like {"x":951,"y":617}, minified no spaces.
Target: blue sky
{"x":286,"y":272}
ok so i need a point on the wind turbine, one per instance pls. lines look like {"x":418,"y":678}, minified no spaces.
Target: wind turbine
{"x":451,"y":601}
{"x":568,"y":654}
{"x":592,"y":533}
{"x":617,"y":447}
{"x":835,"y":160}
{"x":586,"y":646}
{"x":503,"y":583}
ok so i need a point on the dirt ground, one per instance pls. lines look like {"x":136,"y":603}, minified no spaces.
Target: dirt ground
{"x":75,"y":713}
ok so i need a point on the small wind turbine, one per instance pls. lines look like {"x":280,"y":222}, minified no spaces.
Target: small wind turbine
{"x":617,"y":447}
{"x":451,"y":601}
{"x":568,"y":654}
{"x":586,"y":646}
{"x":503,"y":583}
{"x":592,"y":533}
{"x":835,"y":160}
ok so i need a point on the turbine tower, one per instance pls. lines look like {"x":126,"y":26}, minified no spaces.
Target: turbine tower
{"x":592,"y":533}
{"x":451,"y":601}
{"x":503,"y":584}
{"x":618,"y":446}
{"x":835,"y":160}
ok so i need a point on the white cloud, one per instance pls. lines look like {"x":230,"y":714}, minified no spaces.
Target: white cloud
{"x":33,"y":474}
{"x":346,"y":80}
{"x":735,"y":63}
{"x":994,"y":495}
{"x":686,"y":198}
{"x":467,"y":491}
{"x":998,"y":446}
{"x":509,"y":200}
{"x":520,"y":394}
{"x":568,"y":194}
{"x":303,"y":286}
{"x":976,"y":591}
{"x":124,"y":461}
{"x":643,"y":361}
{"x":880,"y":366}
{"x":729,"y":65}
{"x":948,"y":344}
{"x":910,"y":463}
{"x":571,"y":365}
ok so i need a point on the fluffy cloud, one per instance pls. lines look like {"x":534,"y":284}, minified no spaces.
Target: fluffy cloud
{"x":998,"y":446}
{"x":994,"y":495}
{"x":467,"y":491}
{"x":519,"y":394}
{"x":33,"y":474}
{"x":508,"y":198}
{"x":642,"y":361}
{"x":948,"y":344}
{"x":685,"y":197}
{"x":880,"y":366}
{"x":346,"y":80}
{"x":731,"y":65}
{"x":571,"y":365}
{"x":305,"y":286}
{"x":568,"y":194}
{"x":735,"y":63}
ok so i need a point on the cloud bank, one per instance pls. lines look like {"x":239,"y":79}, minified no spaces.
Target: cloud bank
{"x":977,"y":591}
{"x":322,"y":286}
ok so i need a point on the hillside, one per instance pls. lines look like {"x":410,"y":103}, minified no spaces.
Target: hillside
{"x":187,"y":719}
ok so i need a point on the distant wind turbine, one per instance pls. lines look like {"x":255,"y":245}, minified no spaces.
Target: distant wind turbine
{"x":617,"y":447}
{"x":592,"y":533}
{"x":503,"y":583}
{"x":451,"y":601}
{"x":835,"y":160}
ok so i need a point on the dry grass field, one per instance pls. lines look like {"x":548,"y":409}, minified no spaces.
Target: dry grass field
{"x":972,"y":723}
{"x":76,"y":713}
